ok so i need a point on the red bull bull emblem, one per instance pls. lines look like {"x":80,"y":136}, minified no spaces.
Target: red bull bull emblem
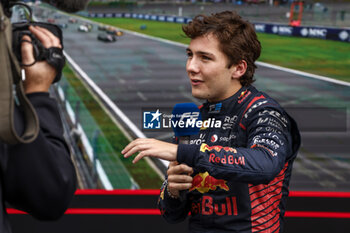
{"x":162,"y":193}
{"x":206,"y":147}
{"x":203,"y":182}
{"x":243,"y":96}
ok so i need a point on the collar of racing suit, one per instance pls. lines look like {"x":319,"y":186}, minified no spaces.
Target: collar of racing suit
{"x":227,"y":104}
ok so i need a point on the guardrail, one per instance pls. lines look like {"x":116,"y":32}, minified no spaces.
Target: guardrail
{"x":327,"y":33}
{"x":162,"y":18}
{"x":99,"y":153}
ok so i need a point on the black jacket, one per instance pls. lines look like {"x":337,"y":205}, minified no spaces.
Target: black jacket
{"x":241,"y":169}
{"x":38,"y":178}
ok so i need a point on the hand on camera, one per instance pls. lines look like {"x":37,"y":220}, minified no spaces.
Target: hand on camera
{"x":39,"y":76}
{"x":179,"y":178}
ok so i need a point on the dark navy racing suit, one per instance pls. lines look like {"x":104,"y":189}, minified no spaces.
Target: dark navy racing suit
{"x":242,"y":169}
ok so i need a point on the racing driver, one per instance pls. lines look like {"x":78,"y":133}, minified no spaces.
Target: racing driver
{"x":234,"y":178}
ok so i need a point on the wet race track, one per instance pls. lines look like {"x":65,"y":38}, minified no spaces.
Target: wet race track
{"x":138,"y":72}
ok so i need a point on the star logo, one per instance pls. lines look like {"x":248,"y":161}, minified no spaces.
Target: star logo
{"x":156,"y":115}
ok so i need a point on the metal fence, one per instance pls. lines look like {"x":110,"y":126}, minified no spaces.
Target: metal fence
{"x":314,"y":14}
{"x":105,"y":168}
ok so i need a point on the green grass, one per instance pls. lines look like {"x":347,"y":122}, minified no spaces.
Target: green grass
{"x":322,"y":57}
{"x":317,"y":56}
{"x":142,"y":173}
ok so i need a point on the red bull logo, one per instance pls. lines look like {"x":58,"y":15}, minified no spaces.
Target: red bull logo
{"x":243,"y":96}
{"x":206,"y":147}
{"x":208,"y":206}
{"x":203,"y":182}
{"x":227,"y":159}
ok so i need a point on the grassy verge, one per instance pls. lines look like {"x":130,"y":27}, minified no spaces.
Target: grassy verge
{"x":317,"y":56}
{"x":142,"y":173}
{"x":322,"y":57}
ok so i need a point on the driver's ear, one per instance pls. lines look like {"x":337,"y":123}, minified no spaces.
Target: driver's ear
{"x":239,"y":69}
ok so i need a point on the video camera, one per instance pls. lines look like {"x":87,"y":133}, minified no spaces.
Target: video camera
{"x":11,"y":76}
{"x":54,"y":56}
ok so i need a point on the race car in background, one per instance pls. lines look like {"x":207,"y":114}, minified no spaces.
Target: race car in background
{"x":72,"y":20}
{"x":62,"y":25}
{"x":114,"y":31}
{"x":84,"y":28}
{"x":106,"y":37}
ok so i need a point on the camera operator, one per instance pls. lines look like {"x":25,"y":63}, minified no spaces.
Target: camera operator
{"x":37,"y":177}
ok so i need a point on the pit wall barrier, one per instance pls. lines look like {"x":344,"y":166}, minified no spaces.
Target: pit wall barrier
{"x":327,"y":33}
{"x":135,"y":211}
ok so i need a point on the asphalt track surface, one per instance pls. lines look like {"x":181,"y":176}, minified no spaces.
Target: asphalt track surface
{"x":138,"y":73}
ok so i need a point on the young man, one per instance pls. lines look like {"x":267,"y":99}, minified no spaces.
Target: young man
{"x":234,"y":178}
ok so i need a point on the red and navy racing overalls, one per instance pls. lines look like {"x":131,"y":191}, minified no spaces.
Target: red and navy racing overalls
{"x":242,"y":163}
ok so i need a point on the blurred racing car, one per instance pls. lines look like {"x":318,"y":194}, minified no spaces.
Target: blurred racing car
{"x":119,"y":33}
{"x":84,"y":28}
{"x":255,"y":1}
{"x":62,"y":25}
{"x":102,"y":27}
{"x":106,"y":37}
{"x":51,"y":20}
{"x":88,"y":25}
{"x":114,"y":31}
{"x":72,"y":20}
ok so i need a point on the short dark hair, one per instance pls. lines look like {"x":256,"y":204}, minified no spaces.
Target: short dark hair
{"x":237,"y":37}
